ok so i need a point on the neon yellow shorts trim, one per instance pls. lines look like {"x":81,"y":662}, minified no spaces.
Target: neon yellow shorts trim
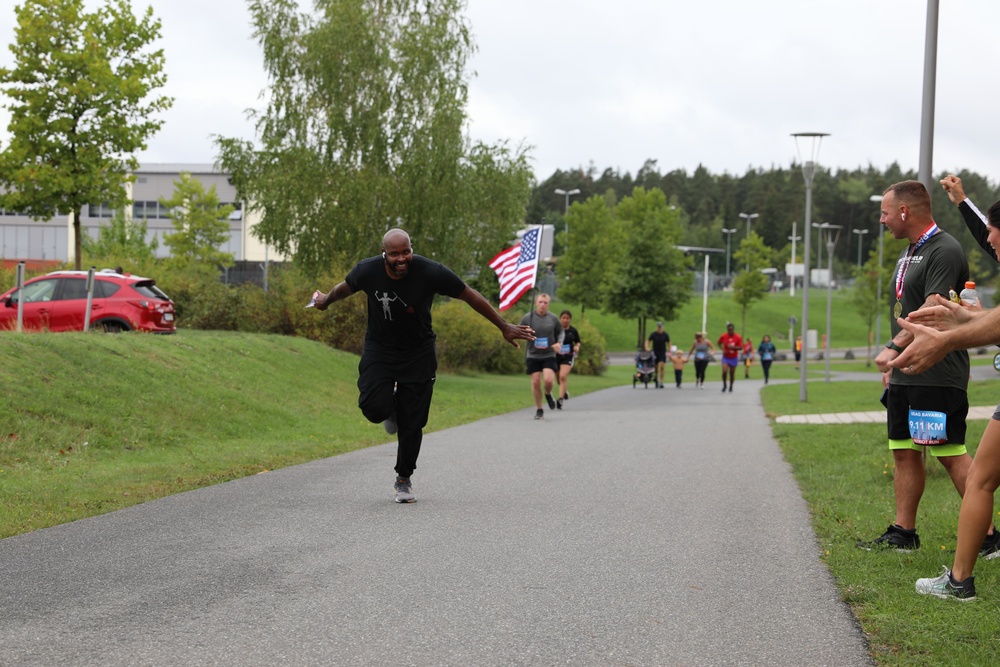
{"x":935,"y":450}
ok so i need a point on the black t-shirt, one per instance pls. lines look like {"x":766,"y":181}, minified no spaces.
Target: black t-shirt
{"x":937,"y":266}
{"x":399,"y":311}
{"x":570,"y":338}
{"x":660,"y":341}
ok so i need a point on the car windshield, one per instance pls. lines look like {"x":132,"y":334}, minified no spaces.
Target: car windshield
{"x":42,"y":290}
{"x":149,"y":289}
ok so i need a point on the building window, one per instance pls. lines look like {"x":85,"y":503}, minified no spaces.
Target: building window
{"x":101,"y":210}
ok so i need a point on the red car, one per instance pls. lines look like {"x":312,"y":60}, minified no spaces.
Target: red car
{"x":121,"y":302}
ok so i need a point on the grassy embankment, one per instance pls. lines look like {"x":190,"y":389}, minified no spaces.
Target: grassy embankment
{"x":91,"y":423}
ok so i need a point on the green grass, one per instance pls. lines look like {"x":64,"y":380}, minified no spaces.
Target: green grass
{"x":769,"y":316}
{"x":783,"y":399}
{"x":91,"y":423}
{"x":846,"y":475}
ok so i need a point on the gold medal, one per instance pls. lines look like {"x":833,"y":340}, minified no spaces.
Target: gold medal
{"x":897,"y":310}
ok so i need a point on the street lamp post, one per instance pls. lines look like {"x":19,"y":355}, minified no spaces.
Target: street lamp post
{"x":690,"y":250}
{"x":860,"y":233}
{"x":729,"y":233}
{"x":748,"y":217}
{"x":819,"y":243}
{"x":793,"y":238}
{"x":567,"y":194}
{"x":808,"y":171}
{"x":831,"y":241}
{"x":878,"y":275}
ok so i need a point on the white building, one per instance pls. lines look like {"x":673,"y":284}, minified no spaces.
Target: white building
{"x":41,"y":243}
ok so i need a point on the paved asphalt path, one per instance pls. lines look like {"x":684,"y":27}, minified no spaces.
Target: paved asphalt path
{"x":635,"y":527}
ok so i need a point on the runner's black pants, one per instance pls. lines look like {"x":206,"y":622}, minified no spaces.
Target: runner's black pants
{"x":699,"y":369}
{"x":403,"y":385}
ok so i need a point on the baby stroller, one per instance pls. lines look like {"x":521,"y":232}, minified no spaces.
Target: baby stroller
{"x":645,"y":368}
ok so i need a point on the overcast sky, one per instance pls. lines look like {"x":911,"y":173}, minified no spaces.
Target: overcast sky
{"x":722,"y":83}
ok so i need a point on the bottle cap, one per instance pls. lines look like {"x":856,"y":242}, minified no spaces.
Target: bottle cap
{"x":969,"y":284}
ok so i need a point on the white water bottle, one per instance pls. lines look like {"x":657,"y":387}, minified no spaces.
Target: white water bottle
{"x":969,"y":295}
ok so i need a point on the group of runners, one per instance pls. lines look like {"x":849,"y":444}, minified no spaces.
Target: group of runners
{"x":735,"y":351}
{"x":925,"y":365}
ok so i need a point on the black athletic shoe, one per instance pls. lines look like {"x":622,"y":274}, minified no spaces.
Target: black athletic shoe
{"x":894,"y":537}
{"x":991,"y":546}
{"x":559,"y":404}
{"x":551,"y":401}
{"x":539,"y":414}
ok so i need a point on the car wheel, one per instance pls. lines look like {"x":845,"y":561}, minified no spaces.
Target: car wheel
{"x":112,"y":327}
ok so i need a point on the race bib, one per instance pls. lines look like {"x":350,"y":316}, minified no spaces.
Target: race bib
{"x":541,"y":343}
{"x":928,"y":427}
{"x":701,"y":355}
{"x":766,"y":356}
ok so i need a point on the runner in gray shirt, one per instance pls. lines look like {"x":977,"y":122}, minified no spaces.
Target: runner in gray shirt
{"x":540,"y":358}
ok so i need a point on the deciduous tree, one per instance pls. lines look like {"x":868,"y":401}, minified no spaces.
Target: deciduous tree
{"x":202,"y":224}
{"x":364,"y":130}
{"x":584,"y":268}
{"x":750,"y":285}
{"x":651,"y":275}
{"x":83,"y":101}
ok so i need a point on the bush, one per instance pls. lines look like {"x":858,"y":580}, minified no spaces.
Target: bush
{"x":467,"y":341}
{"x":593,"y":357}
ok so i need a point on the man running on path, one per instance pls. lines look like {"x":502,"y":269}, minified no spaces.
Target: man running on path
{"x":398,"y":365}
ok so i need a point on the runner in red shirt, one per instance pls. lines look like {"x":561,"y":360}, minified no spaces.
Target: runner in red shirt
{"x":731,"y":344}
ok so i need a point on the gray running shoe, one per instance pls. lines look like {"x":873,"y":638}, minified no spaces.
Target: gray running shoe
{"x":390,"y":425}
{"x":539,"y":414}
{"x":991,"y":546}
{"x":404,"y":490}
{"x":945,"y":586}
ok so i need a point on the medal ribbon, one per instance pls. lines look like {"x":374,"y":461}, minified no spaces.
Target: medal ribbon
{"x":901,"y":276}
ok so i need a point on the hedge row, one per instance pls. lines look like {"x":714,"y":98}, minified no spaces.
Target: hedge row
{"x":465,"y":340}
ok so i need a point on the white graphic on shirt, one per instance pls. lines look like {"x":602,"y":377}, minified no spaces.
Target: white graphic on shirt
{"x":385,"y":300}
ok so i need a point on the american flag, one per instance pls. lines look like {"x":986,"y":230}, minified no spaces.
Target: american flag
{"x":516,"y":267}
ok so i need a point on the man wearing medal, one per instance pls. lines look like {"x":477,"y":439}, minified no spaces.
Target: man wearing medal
{"x":927,"y":409}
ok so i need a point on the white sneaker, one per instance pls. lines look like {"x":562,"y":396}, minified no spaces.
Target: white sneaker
{"x":944,"y":586}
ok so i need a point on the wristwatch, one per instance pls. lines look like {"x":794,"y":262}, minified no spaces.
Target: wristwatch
{"x":892,"y":346}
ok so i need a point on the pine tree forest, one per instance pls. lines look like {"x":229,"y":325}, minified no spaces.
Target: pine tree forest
{"x":708,"y":203}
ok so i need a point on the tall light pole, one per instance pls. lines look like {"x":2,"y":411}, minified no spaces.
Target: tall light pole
{"x":793,"y":238}
{"x":808,"y":171}
{"x":878,"y":275}
{"x":927,"y":99}
{"x":831,"y":241}
{"x":689,"y":250}
{"x":729,"y":234}
{"x":819,"y":243}
{"x":860,"y":233}
{"x":567,"y":194}
{"x":748,"y":217}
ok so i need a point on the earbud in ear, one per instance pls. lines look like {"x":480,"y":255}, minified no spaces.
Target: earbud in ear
{"x":904,"y":217}
{"x":383,"y":255}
